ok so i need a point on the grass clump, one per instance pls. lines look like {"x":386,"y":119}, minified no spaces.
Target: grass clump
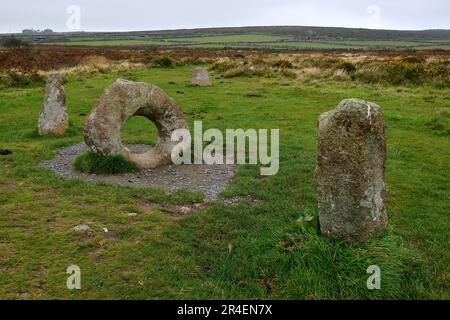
{"x":225,"y":65}
{"x":13,"y":79}
{"x":91,"y":162}
{"x":440,"y":122}
{"x":406,"y":72}
{"x":163,"y":62}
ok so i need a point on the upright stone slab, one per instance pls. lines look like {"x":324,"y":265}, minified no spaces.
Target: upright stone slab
{"x":201,"y":77}
{"x":53,"y":118}
{"x":350,"y":173}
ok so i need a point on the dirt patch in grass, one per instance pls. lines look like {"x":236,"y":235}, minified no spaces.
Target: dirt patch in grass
{"x":172,"y":210}
{"x":6,"y":186}
{"x":207,"y":179}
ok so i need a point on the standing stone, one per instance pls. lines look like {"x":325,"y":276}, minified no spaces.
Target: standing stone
{"x":201,"y":77}
{"x":53,"y":118}
{"x":350,"y":173}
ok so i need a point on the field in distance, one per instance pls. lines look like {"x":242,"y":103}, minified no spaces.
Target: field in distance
{"x":255,"y":41}
{"x":254,"y":37}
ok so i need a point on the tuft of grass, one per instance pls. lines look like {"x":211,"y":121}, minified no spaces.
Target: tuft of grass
{"x":440,"y":122}
{"x":91,"y":162}
{"x":164,"y":62}
{"x":14,"y":79}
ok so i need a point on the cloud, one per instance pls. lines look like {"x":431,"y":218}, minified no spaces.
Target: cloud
{"x":117,"y":15}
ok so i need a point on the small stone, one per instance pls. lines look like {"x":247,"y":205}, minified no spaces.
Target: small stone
{"x":201,"y":77}
{"x":185,"y":210}
{"x":53,"y":118}
{"x":83,"y":228}
{"x":350,"y":173}
{"x":132,"y":214}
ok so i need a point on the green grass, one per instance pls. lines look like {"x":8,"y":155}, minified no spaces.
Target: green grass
{"x":306,"y":44}
{"x":232,"y":38}
{"x":384,"y":43}
{"x":250,"y":40}
{"x":110,"y":43}
{"x":91,"y":162}
{"x":254,"y":251}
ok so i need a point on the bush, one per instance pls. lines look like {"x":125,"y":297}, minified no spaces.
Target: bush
{"x":347,"y":67}
{"x":289,"y":74}
{"x":225,"y":65}
{"x":414,"y":60}
{"x":283,"y":64}
{"x":405,"y":72}
{"x":14,"y":43}
{"x":236,"y":72}
{"x":400,"y":72}
{"x":92,"y":162}
{"x":164,"y":62}
{"x":323,"y":62}
{"x":13,"y":78}
{"x":248,"y":72}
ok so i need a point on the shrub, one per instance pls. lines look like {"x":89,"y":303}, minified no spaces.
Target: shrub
{"x":289,"y":74}
{"x":283,"y":64}
{"x":96,"y":61}
{"x":405,"y":72}
{"x":400,"y":72}
{"x":414,"y":59}
{"x":14,"y":43}
{"x":164,"y":62}
{"x":191,"y":61}
{"x":92,"y":162}
{"x":13,"y":78}
{"x":236,"y":72}
{"x":347,"y":67}
{"x":323,"y":62}
{"x":225,"y":65}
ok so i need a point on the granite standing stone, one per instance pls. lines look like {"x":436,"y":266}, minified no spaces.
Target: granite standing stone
{"x":350,"y":173}
{"x":53,"y":118}
{"x":201,"y":77}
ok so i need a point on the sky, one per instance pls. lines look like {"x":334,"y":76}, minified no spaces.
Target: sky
{"x":128,"y":15}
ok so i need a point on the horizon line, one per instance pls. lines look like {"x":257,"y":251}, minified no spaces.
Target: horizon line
{"x":233,"y":27}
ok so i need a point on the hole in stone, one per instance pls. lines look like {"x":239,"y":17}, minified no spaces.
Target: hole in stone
{"x":139,"y":131}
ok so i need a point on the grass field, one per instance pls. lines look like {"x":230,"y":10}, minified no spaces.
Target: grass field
{"x":232,"y":38}
{"x":110,"y":43}
{"x":250,"y":40}
{"x":251,"y":250}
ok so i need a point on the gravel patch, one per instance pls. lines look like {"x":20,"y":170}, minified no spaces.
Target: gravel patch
{"x":207,"y":179}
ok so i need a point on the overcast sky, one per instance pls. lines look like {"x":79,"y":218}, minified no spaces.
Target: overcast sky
{"x":125,"y":15}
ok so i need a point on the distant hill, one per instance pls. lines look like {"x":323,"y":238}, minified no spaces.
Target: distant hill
{"x":275,"y":37}
{"x":299,"y":32}
{"x":305,"y":32}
